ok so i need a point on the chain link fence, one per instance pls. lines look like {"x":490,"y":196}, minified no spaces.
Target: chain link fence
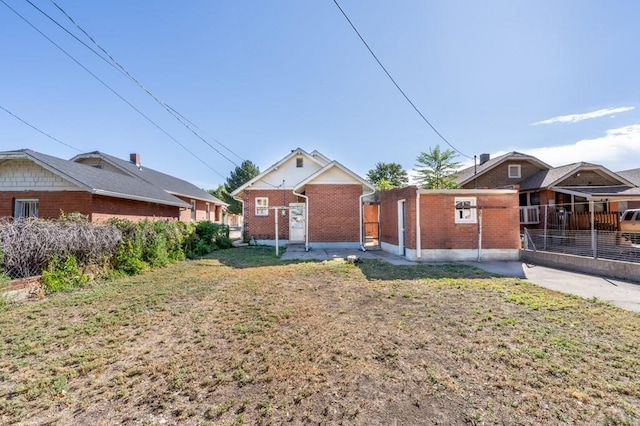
{"x":595,"y":243}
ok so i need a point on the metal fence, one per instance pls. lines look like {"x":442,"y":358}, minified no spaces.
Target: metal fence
{"x":595,"y":243}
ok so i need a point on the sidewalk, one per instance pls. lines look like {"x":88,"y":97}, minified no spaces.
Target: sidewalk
{"x":622,"y":294}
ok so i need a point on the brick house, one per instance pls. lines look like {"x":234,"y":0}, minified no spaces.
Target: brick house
{"x":564,"y":195}
{"x":33,"y":184}
{"x":314,"y":201}
{"x":450,"y":225}
{"x":203,"y":206}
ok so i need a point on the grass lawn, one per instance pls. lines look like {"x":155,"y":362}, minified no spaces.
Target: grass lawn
{"x":244,"y":338}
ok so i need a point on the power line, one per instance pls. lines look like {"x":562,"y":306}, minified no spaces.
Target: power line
{"x":38,"y":130}
{"x":396,"y":84}
{"x":111,"y":89}
{"x":121,"y":69}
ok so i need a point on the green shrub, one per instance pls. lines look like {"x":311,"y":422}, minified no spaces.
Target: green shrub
{"x":126,"y":261}
{"x":63,"y":275}
{"x":206,"y":238}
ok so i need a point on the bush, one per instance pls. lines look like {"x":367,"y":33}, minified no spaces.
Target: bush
{"x":63,"y":275}
{"x":206,"y":238}
{"x":30,"y":244}
{"x":125,"y":260}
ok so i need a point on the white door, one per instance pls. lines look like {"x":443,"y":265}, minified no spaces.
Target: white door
{"x":296,"y":223}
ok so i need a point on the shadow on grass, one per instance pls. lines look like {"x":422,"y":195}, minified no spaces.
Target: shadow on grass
{"x":260,"y":256}
{"x":381,"y":270}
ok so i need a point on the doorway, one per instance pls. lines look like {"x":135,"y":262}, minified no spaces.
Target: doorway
{"x":296,"y":223}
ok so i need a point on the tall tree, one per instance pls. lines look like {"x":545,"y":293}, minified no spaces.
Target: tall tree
{"x":238,"y":177}
{"x":387,"y":176}
{"x":437,"y":169}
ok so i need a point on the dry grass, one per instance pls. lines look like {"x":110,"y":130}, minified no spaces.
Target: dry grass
{"x":243,"y":338}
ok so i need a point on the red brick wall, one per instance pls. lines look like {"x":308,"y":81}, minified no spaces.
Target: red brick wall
{"x":49,"y":203}
{"x":263,"y":227}
{"x":500,"y":222}
{"x":389,"y":215}
{"x":334,"y":212}
{"x":99,"y":208}
{"x":201,"y":211}
{"x":108,"y":207}
{"x":438,"y":230}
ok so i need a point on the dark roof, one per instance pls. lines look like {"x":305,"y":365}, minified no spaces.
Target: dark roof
{"x":632,"y":175}
{"x":465,"y":175}
{"x":97,"y":181}
{"x":171,"y":184}
{"x":547,"y":178}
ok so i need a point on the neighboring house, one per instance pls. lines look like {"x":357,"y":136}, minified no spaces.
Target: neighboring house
{"x":632,"y":175}
{"x":203,"y":206}
{"x":33,"y":184}
{"x":450,"y":225}
{"x":313,"y":200}
{"x":568,"y":193}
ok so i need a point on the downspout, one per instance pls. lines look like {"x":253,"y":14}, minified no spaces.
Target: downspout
{"x":306,"y":219}
{"x":418,"y":237}
{"x":362,"y":219}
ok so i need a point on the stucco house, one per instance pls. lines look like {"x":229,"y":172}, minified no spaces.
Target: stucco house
{"x":309,"y":199}
{"x":565,"y":195}
{"x":33,"y":184}
{"x":450,"y":225}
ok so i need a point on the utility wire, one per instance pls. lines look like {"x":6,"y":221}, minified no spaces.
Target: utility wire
{"x":118,"y":67}
{"x":396,"y":84}
{"x":111,"y":89}
{"x":38,"y":130}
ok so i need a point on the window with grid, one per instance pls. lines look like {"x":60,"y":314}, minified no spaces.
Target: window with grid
{"x":26,"y":208}
{"x":465,"y":210}
{"x":515,"y":171}
{"x":262,"y":206}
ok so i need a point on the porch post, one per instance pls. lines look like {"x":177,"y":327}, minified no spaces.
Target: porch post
{"x":594,"y":237}
{"x":277,"y":248}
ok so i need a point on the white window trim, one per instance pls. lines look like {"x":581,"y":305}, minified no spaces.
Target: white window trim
{"x":19,"y":203}
{"x":518,"y":169}
{"x":207,"y":212}
{"x":193,"y":210}
{"x":465,"y":214}
{"x":262,"y":209}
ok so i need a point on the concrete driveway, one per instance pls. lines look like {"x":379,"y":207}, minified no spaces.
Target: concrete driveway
{"x":622,"y":294}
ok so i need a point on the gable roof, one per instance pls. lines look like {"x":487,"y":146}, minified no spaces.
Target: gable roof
{"x":97,"y":181}
{"x":171,"y":184}
{"x":632,"y":175}
{"x":464,"y":176}
{"x":553,"y":176}
{"x":314,"y":156}
{"x":325,"y":169}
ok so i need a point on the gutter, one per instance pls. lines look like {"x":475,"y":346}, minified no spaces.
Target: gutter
{"x":306,"y":219}
{"x":362,"y":219}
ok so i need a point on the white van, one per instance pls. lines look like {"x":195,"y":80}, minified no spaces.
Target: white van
{"x":630,"y":221}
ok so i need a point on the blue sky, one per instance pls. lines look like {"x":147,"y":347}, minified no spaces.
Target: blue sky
{"x":556,"y":79}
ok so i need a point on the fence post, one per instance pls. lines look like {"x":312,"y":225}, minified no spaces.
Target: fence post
{"x":594,"y":237}
{"x":546,"y":216}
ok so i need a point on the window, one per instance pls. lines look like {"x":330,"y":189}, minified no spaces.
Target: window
{"x":26,"y":208}
{"x":465,"y":210}
{"x":299,"y":162}
{"x":514,"y":171}
{"x":207,"y":212}
{"x":193,"y":209}
{"x":262,"y":206}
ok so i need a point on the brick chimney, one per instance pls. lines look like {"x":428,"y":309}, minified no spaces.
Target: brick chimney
{"x":484,"y":158}
{"x":135,"y":159}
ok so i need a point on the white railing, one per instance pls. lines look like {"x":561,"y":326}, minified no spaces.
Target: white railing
{"x":529,"y":215}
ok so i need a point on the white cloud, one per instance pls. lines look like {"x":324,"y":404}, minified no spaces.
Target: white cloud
{"x":618,"y":149}
{"x":574,"y":118}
